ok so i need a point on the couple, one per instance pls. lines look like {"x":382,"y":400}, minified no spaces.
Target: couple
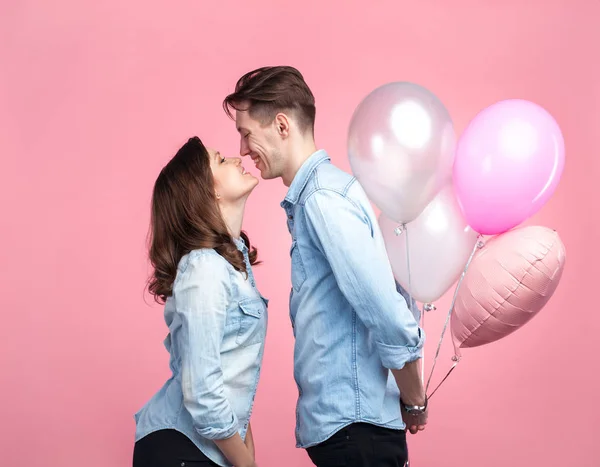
{"x":357,"y":345}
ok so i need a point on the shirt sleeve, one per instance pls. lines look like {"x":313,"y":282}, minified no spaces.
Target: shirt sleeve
{"x":356,"y":253}
{"x":413,"y":307}
{"x":201,"y":297}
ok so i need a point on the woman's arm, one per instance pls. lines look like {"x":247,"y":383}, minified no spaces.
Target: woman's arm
{"x":202,"y":296}
{"x":236,"y":451}
{"x":250,"y":441}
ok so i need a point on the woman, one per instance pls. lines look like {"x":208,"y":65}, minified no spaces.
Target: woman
{"x":217,"y":319}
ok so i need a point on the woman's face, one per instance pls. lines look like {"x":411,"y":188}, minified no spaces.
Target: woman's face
{"x":232,"y":182}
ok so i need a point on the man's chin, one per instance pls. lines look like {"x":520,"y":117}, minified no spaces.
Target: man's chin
{"x":266,"y":175}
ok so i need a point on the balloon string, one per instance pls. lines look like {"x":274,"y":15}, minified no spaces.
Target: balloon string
{"x":478,"y":244}
{"x":410,"y":302}
{"x":410,"y":298}
{"x":400,"y":230}
{"x":456,"y":360}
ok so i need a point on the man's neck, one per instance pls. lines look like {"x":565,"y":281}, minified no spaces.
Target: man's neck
{"x":297,"y":159}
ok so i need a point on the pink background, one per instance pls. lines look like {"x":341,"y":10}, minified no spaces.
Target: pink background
{"x":96,"y":96}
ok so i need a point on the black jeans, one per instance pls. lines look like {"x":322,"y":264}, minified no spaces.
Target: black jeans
{"x":168,"y":448}
{"x":361,"y":445}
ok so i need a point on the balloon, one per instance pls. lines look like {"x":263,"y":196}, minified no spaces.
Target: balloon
{"x":508,"y":163}
{"x":508,"y":283}
{"x":401,"y":146}
{"x":440,"y":243}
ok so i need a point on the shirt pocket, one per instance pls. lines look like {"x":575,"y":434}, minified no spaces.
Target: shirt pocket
{"x":298,"y":271}
{"x":252,"y":321}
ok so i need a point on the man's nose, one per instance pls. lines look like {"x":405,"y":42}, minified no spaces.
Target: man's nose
{"x":244,"y":149}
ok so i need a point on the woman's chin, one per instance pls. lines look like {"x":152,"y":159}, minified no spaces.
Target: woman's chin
{"x":252,"y":183}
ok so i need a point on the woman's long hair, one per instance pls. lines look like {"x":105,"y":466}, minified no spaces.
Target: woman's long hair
{"x":186,"y":217}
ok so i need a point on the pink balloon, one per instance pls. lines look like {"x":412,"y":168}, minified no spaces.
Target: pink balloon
{"x":508,"y":282}
{"x":508,"y":163}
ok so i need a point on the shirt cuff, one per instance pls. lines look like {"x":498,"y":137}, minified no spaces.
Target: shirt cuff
{"x":223,"y":432}
{"x":394,"y":357}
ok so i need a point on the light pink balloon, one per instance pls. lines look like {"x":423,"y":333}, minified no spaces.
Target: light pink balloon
{"x":401,"y":145}
{"x":509,"y":280}
{"x":508,"y":163}
{"x":439,"y":244}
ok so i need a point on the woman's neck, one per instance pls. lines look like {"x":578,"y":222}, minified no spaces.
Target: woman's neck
{"x":233,"y":215}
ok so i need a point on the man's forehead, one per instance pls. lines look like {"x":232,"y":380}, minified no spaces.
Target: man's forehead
{"x":242,"y":120}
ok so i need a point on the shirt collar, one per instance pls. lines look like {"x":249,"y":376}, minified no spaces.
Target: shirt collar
{"x":240,"y":244}
{"x":303,"y":176}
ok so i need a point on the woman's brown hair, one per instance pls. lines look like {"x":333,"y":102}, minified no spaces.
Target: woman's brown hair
{"x":185,"y":217}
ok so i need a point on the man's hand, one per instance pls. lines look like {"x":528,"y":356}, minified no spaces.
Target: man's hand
{"x":412,"y":393}
{"x":414,"y":422}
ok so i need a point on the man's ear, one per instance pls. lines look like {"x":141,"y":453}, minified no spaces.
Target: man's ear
{"x":282,"y":124}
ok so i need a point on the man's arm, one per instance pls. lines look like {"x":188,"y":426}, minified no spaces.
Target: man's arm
{"x":412,"y":394}
{"x":409,"y":378}
{"x":356,"y":253}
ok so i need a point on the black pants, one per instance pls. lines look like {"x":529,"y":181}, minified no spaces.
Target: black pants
{"x":361,"y":445}
{"x":168,"y":448}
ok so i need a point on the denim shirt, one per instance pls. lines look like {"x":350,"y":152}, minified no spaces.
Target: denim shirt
{"x":217,"y":323}
{"x":350,"y":318}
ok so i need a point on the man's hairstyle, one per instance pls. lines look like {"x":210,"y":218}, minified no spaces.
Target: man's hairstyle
{"x":269,"y":90}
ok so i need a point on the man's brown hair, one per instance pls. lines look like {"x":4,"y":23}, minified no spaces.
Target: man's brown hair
{"x":269,"y":90}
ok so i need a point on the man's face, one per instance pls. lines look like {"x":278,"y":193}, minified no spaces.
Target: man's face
{"x":262,"y":143}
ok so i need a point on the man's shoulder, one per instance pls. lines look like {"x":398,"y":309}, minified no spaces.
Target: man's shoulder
{"x":328,"y":176}
{"x":330,"y":185}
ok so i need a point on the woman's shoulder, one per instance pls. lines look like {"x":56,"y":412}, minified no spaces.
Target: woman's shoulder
{"x":201,"y":274}
{"x":203,"y":258}
{"x":203,"y":268}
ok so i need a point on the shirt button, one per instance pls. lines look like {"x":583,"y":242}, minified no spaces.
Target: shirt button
{"x":183,"y":464}
{"x":290,"y":217}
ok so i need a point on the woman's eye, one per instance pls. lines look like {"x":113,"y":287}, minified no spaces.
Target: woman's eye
{"x":222,"y":160}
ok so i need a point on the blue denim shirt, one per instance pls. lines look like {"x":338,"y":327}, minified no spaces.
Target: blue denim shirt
{"x":351,"y":324}
{"x":217,"y":323}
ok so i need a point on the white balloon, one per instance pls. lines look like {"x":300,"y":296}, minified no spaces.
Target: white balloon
{"x":401,"y":146}
{"x":440,"y":242}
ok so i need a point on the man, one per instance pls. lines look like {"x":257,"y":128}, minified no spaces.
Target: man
{"x":357,"y":345}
